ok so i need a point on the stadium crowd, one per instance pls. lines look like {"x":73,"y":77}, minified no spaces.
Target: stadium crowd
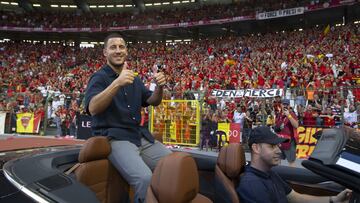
{"x":320,"y":73}
{"x":196,"y":12}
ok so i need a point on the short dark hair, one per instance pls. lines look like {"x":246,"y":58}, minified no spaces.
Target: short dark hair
{"x":112,"y":35}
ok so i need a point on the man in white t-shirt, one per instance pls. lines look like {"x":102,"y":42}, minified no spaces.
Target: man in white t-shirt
{"x":350,"y":118}
{"x":239,"y":116}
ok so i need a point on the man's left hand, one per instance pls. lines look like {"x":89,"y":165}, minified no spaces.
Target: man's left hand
{"x":160,"y":79}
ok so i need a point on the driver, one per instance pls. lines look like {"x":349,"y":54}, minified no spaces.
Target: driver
{"x":260,"y":184}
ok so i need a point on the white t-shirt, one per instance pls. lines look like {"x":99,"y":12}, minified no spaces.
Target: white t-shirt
{"x":239,"y":117}
{"x":222,"y":104}
{"x":283,"y":65}
{"x":350,"y":117}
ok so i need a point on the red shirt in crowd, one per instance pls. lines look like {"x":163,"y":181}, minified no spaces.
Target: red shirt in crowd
{"x":309,"y":119}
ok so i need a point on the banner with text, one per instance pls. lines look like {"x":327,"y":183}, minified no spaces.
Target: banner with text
{"x":84,"y":127}
{"x":306,"y":143}
{"x":260,"y":93}
{"x":2,"y":122}
{"x":131,"y":27}
{"x":28,"y":123}
{"x":280,"y":13}
{"x":232,"y":131}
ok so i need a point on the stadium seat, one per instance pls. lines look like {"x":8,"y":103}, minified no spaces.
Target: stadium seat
{"x":230,"y":165}
{"x":175,"y":180}
{"x":97,"y":172}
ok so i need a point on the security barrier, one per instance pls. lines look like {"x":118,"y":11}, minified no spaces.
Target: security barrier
{"x":176,"y":122}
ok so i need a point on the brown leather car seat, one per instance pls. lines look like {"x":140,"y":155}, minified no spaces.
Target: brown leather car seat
{"x":230,"y":164}
{"x":175,"y":180}
{"x":97,"y":172}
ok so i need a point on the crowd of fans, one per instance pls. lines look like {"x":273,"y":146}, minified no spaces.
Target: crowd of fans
{"x":320,"y":74}
{"x":195,"y":12}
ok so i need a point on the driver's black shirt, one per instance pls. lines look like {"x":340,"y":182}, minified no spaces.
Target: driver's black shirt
{"x":262,"y":187}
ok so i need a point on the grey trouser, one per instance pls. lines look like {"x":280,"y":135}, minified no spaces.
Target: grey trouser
{"x":290,"y":154}
{"x":135,"y":164}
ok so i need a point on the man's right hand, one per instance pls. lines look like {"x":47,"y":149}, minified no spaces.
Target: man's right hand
{"x":126,"y":77}
{"x":343,"y":196}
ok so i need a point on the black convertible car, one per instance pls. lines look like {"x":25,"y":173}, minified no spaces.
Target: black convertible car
{"x":83,"y":174}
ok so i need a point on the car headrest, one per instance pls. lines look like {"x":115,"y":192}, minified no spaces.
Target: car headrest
{"x":232,"y":160}
{"x":175,"y":179}
{"x":95,"y":148}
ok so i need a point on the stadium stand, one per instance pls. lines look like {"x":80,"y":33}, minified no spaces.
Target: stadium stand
{"x":319,"y":69}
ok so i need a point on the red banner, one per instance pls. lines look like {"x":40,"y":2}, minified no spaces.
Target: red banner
{"x":133,"y":27}
{"x":234,"y":133}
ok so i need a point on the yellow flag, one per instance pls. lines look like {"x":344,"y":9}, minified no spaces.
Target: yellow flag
{"x":226,"y":128}
{"x":327,"y":30}
{"x":25,"y":122}
{"x":173,"y":130}
{"x":230,"y":62}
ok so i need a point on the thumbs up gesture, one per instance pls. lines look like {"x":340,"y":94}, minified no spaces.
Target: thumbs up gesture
{"x":160,"y":79}
{"x":126,"y":76}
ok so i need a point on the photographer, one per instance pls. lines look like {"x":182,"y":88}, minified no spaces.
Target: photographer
{"x":286,"y":124}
